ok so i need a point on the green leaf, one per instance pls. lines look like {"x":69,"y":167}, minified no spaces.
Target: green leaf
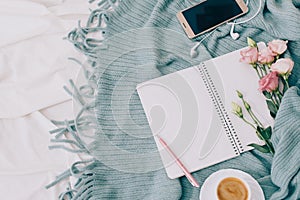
{"x":272,"y":108}
{"x":268,"y":133}
{"x":265,"y":134}
{"x":261,"y":148}
{"x":273,"y":115}
{"x":267,"y":94}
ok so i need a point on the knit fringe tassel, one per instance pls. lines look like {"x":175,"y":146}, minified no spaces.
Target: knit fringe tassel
{"x":70,"y":133}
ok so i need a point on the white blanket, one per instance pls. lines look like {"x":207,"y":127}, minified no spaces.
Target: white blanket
{"x":33,"y":69}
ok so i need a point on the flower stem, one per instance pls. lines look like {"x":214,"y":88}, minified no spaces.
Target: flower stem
{"x":258,"y":73}
{"x":248,"y":123}
{"x":270,"y":146}
{"x":252,"y":115}
{"x":263,"y":69}
{"x":267,"y":142}
{"x":286,"y":82}
{"x":274,"y":100}
{"x":277,"y":101}
{"x":255,"y":66}
{"x":279,"y":94}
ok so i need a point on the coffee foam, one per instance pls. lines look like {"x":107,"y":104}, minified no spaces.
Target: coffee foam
{"x":232,"y":188}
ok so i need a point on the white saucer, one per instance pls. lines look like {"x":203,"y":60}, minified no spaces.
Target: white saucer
{"x":207,"y":191}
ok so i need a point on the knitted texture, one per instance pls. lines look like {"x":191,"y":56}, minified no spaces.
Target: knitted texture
{"x":144,"y":40}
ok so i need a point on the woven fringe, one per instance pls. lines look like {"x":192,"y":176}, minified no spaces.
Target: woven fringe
{"x":69,"y":134}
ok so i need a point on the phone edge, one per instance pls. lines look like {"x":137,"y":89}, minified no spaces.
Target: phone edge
{"x":189,"y":31}
{"x":185,"y":25}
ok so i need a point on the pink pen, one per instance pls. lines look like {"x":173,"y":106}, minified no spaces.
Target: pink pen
{"x":188,"y":175}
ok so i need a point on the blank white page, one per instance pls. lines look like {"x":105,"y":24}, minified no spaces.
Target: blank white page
{"x":179,"y":109}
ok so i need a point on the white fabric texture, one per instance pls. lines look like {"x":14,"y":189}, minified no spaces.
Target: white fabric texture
{"x":26,"y":164}
{"x":33,"y":54}
{"x":33,"y":69}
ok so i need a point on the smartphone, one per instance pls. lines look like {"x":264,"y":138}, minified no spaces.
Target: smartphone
{"x":209,"y":14}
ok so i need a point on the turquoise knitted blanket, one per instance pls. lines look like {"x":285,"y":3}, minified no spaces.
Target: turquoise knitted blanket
{"x":128,"y":42}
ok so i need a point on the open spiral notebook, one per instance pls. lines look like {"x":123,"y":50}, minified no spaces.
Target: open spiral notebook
{"x":191,"y":110}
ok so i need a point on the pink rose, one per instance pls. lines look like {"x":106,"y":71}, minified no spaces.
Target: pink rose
{"x":269,"y":82}
{"x":265,"y":56}
{"x":283,"y":66}
{"x":249,"y":55}
{"x":278,"y":46}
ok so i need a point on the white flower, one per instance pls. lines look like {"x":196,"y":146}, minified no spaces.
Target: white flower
{"x":283,"y":66}
{"x":278,"y":46}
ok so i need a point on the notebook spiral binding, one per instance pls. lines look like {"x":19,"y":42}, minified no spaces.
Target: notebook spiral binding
{"x":221,"y":111}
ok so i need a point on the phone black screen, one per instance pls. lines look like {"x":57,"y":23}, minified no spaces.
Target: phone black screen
{"x":210,"y":13}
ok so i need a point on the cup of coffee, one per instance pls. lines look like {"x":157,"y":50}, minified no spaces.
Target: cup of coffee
{"x":233,"y":188}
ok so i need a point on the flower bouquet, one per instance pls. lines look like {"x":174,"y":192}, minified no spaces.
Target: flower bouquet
{"x":273,"y":72}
